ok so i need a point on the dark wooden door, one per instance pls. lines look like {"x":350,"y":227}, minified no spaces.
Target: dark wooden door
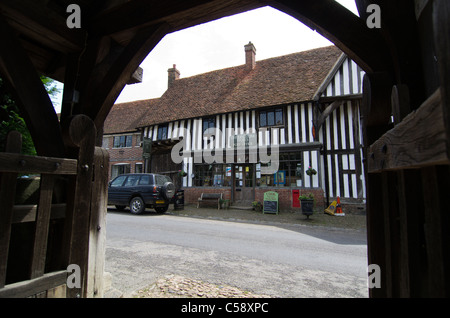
{"x":244,"y":184}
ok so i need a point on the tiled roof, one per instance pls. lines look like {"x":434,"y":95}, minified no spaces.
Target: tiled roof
{"x":275,"y":81}
{"x":125,"y":117}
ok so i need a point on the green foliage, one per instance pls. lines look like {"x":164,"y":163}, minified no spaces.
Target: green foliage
{"x":257,"y":205}
{"x":308,"y":196}
{"x":50,"y":86}
{"x":10,"y":118}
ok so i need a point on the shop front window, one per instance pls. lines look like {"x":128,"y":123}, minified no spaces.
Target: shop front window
{"x":208,"y":175}
{"x":289,"y":172}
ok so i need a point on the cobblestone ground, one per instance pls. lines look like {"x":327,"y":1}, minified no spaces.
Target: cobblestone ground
{"x":173,"y":286}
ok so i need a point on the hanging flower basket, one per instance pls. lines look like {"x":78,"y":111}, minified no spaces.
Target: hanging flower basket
{"x":311,"y":171}
{"x":182,"y":173}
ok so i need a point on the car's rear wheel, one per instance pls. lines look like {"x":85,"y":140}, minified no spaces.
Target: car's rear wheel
{"x":162,"y":209}
{"x":137,"y":205}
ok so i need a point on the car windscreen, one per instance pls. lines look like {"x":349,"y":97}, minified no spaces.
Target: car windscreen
{"x":117,"y":182}
{"x":161,"y":180}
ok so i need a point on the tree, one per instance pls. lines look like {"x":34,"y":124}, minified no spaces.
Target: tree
{"x":10,"y":118}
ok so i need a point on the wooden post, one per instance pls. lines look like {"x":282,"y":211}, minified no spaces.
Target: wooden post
{"x":7,"y":194}
{"x":42,"y":226}
{"x":376,"y":112}
{"x":79,"y":133}
{"x":97,"y":233}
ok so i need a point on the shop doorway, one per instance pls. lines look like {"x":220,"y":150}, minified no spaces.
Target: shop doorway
{"x":244,"y":184}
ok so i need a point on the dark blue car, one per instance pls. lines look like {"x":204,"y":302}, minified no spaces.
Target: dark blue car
{"x":140,"y":191}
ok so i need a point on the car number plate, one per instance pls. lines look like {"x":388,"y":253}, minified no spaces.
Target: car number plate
{"x":160,"y":202}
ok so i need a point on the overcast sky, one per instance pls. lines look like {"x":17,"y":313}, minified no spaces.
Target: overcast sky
{"x":220,"y":44}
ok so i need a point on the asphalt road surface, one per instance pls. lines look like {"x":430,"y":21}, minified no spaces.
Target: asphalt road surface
{"x":274,"y":260}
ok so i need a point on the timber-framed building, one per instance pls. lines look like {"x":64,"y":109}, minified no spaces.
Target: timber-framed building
{"x":306,"y":104}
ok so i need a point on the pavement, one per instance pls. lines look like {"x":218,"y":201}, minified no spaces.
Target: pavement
{"x":354,"y":219}
{"x":169,"y":287}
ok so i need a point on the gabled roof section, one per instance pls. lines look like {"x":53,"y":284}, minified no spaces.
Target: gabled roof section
{"x":282,"y":80}
{"x":125,"y":117}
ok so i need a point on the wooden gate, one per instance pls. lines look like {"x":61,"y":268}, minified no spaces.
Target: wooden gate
{"x":408,"y":173}
{"x":63,"y":226}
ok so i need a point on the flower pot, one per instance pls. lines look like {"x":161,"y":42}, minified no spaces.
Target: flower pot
{"x":307,"y":207}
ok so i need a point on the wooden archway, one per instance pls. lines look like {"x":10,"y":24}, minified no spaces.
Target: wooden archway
{"x":406,"y":159}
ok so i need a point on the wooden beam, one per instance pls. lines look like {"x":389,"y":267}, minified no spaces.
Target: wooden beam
{"x":419,"y":140}
{"x":400,"y":32}
{"x":83,"y":72}
{"x":27,"y":213}
{"x":32,"y":287}
{"x":441,"y":21}
{"x":35,"y":104}
{"x":47,"y":27}
{"x":179,"y":14}
{"x":100,"y":99}
{"x":18,"y":163}
{"x":327,"y":112}
{"x":347,"y":31}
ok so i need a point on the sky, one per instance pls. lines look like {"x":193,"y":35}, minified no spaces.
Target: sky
{"x":220,"y":44}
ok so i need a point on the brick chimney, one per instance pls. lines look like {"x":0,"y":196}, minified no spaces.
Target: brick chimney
{"x":250,"y":56}
{"x":174,"y":74}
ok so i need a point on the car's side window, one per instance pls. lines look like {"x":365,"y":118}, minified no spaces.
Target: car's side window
{"x":118,"y":181}
{"x":145,"y":180}
{"x":131,"y":181}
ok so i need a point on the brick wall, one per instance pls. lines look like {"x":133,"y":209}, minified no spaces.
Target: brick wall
{"x":285,"y":198}
{"x":130,"y":155}
{"x":284,"y":195}
{"x":191,"y":195}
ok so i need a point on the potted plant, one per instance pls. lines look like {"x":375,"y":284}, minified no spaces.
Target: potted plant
{"x":224,"y":204}
{"x":257,"y":206}
{"x":307,"y":204}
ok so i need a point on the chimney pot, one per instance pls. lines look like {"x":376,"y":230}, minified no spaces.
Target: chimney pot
{"x":174,"y":74}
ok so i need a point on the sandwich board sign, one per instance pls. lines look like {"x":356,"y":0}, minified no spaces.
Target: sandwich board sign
{"x":270,"y":204}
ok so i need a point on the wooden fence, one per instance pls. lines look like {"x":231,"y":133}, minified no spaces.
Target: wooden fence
{"x":66,"y":223}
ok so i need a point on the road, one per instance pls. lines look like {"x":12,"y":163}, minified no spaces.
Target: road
{"x":275,"y":260}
